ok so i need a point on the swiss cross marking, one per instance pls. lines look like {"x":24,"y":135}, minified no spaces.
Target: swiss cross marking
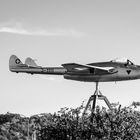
{"x":17,"y":61}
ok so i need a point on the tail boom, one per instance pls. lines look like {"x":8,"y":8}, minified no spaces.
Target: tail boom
{"x":15,"y":65}
{"x":42,"y":70}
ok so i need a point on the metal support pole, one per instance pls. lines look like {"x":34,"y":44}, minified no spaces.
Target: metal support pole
{"x":97,"y":95}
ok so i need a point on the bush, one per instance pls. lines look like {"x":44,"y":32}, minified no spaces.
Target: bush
{"x":115,"y":124}
{"x":67,"y":124}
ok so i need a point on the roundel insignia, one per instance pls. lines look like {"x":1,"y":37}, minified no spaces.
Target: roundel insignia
{"x":17,"y":61}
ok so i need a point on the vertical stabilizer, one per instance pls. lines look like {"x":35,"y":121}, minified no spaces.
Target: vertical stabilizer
{"x":30,"y":62}
{"x":14,"y":62}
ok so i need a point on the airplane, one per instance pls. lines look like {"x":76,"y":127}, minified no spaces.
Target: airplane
{"x":114,"y":70}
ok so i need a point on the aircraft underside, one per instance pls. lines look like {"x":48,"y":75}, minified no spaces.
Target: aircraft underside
{"x":98,"y":78}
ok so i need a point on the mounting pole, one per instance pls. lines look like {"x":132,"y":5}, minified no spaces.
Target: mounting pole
{"x":97,"y":95}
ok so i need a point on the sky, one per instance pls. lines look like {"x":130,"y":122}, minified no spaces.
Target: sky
{"x":61,"y":31}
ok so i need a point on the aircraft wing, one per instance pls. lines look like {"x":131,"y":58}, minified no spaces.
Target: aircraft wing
{"x":81,"y":67}
{"x":108,"y":69}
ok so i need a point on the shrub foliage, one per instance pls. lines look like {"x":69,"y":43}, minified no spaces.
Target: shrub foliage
{"x":67,"y":124}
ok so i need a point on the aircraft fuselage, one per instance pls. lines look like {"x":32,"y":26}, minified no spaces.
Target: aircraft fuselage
{"x":123,"y":72}
{"x":93,"y":72}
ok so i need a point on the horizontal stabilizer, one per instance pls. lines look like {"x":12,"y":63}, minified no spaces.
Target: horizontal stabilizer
{"x":30,"y":62}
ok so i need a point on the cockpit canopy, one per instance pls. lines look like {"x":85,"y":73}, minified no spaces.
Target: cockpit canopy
{"x":122,"y":60}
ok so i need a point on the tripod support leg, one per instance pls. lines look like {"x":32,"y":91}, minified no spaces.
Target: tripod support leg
{"x":94,"y":103}
{"x":87,"y":105}
{"x":102,"y":97}
{"x":107,"y":102}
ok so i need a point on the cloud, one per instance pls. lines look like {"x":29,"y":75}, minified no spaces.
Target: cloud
{"x":19,"y":28}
